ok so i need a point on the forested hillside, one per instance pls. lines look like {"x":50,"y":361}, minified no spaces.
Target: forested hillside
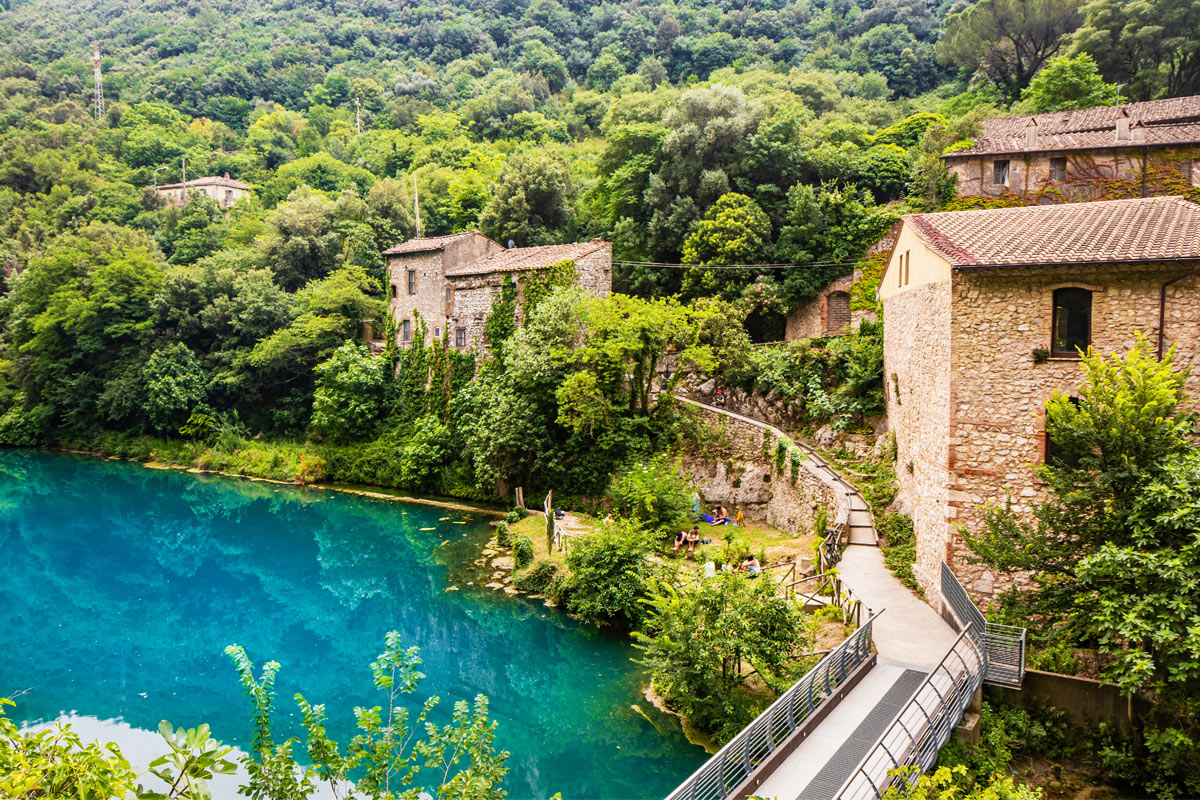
{"x":695,"y":133}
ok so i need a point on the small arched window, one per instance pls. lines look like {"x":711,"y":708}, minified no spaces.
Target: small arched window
{"x":395,"y":291}
{"x":1072,"y":322}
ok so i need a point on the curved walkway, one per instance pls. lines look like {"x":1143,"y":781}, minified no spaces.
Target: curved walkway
{"x":910,"y":633}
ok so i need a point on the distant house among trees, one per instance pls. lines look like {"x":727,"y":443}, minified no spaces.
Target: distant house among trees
{"x":1104,"y":153}
{"x":223,"y":190}
{"x":451,"y":283}
{"x":987,"y":311}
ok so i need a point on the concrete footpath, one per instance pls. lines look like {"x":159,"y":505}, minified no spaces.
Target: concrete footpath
{"x":910,"y":633}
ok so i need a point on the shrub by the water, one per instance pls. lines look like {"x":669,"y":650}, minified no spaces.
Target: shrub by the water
{"x":503,"y":534}
{"x":522,"y":548}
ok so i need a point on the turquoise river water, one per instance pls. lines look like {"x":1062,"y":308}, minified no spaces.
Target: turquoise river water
{"x":122,"y":585}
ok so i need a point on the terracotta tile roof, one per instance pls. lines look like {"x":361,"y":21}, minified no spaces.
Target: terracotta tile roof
{"x":425,"y":244}
{"x":516,"y":259}
{"x":209,"y":181}
{"x":1156,"y":136}
{"x":1146,"y":229}
{"x":1173,"y":121}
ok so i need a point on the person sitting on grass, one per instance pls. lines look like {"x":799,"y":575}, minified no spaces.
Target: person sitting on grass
{"x":720,"y":516}
{"x":751,"y":566}
{"x":693,"y":536}
{"x":680,"y":540}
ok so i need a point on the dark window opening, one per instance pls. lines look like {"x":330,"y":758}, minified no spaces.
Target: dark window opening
{"x":1072,"y":322}
{"x":1000,"y":172}
{"x":449,"y":294}
{"x":406,"y":330}
{"x":460,"y":337}
{"x":1058,"y":169}
{"x":412,"y":281}
{"x":437,"y":333}
{"x":395,"y":290}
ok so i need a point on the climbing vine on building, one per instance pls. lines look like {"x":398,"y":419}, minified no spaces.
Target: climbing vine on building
{"x":539,"y":284}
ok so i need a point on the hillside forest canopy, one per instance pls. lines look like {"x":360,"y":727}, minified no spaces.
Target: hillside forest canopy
{"x":690,"y":133}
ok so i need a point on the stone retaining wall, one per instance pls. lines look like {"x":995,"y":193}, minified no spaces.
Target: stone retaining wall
{"x":735,"y":474}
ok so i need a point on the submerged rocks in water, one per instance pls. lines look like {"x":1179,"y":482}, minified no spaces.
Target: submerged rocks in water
{"x":503,"y":562}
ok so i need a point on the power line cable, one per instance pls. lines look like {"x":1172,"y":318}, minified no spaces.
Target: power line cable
{"x":759,"y":267}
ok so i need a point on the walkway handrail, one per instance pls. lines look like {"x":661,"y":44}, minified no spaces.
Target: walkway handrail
{"x":734,"y":762}
{"x":1004,"y":645}
{"x":924,"y":724}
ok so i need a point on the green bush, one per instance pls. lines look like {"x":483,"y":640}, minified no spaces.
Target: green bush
{"x":503,"y":534}
{"x":655,"y":494}
{"x":900,"y":546}
{"x":512,"y":517}
{"x":522,"y":549}
{"x":609,"y":571}
{"x":539,"y":577}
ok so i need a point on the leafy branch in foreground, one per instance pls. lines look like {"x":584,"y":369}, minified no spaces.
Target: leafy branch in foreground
{"x":385,"y":759}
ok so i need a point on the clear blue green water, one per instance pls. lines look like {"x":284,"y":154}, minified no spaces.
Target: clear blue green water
{"x":122,"y":586}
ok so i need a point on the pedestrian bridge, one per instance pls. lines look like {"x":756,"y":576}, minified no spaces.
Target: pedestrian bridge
{"x":852,"y":725}
{"x":875,"y":711}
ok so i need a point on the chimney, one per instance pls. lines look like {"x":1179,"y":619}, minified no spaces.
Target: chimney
{"x":226,"y":176}
{"x":1122,"y":126}
{"x":1137,"y":133}
{"x":1031,"y":134}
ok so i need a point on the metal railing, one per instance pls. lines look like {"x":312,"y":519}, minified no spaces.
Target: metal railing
{"x":1004,"y":644}
{"x":924,"y":725}
{"x":734,"y":762}
{"x":831,"y":591}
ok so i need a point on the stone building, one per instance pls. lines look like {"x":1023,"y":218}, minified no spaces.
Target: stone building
{"x":224,"y":190}
{"x":452,"y":281}
{"x":1110,"y":152}
{"x":832,"y":312}
{"x":985,"y":310}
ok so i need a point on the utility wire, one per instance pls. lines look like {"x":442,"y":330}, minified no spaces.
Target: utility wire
{"x":759,"y":267}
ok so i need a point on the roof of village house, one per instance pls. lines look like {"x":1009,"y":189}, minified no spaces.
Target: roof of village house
{"x":1145,"y":229}
{"x":1165,"y":122}
{"x":427,"y":244}
{"x":516,"y":259}
{"x":213,"y":180}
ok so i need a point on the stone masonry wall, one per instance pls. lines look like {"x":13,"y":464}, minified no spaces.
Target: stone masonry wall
{"x":743,"y":480}
{"x":594,"y":271}
{"x":1090,"y":175}
{"x":429,"y":299}
{"x":917,"y":385}
{"x":997,"y":426}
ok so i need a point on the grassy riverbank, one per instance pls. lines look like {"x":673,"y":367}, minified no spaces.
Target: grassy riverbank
{"x":349,"y":467}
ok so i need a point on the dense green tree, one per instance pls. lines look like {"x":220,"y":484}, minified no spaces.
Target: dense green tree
{"x":655,"y":494}
{"x":531,"y":204}
{"x":1008,"y":40}
{"x":175,"y":384}
{"x":1066,"y":83}
{"x":349,"y":394}
{"x":697,"y":636}
{"x":1152,"y":47}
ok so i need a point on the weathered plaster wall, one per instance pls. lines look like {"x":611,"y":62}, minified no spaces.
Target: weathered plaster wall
{"x":594,"y":271}
{"x":917,"y":383}
{"x":1109,"y":174}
